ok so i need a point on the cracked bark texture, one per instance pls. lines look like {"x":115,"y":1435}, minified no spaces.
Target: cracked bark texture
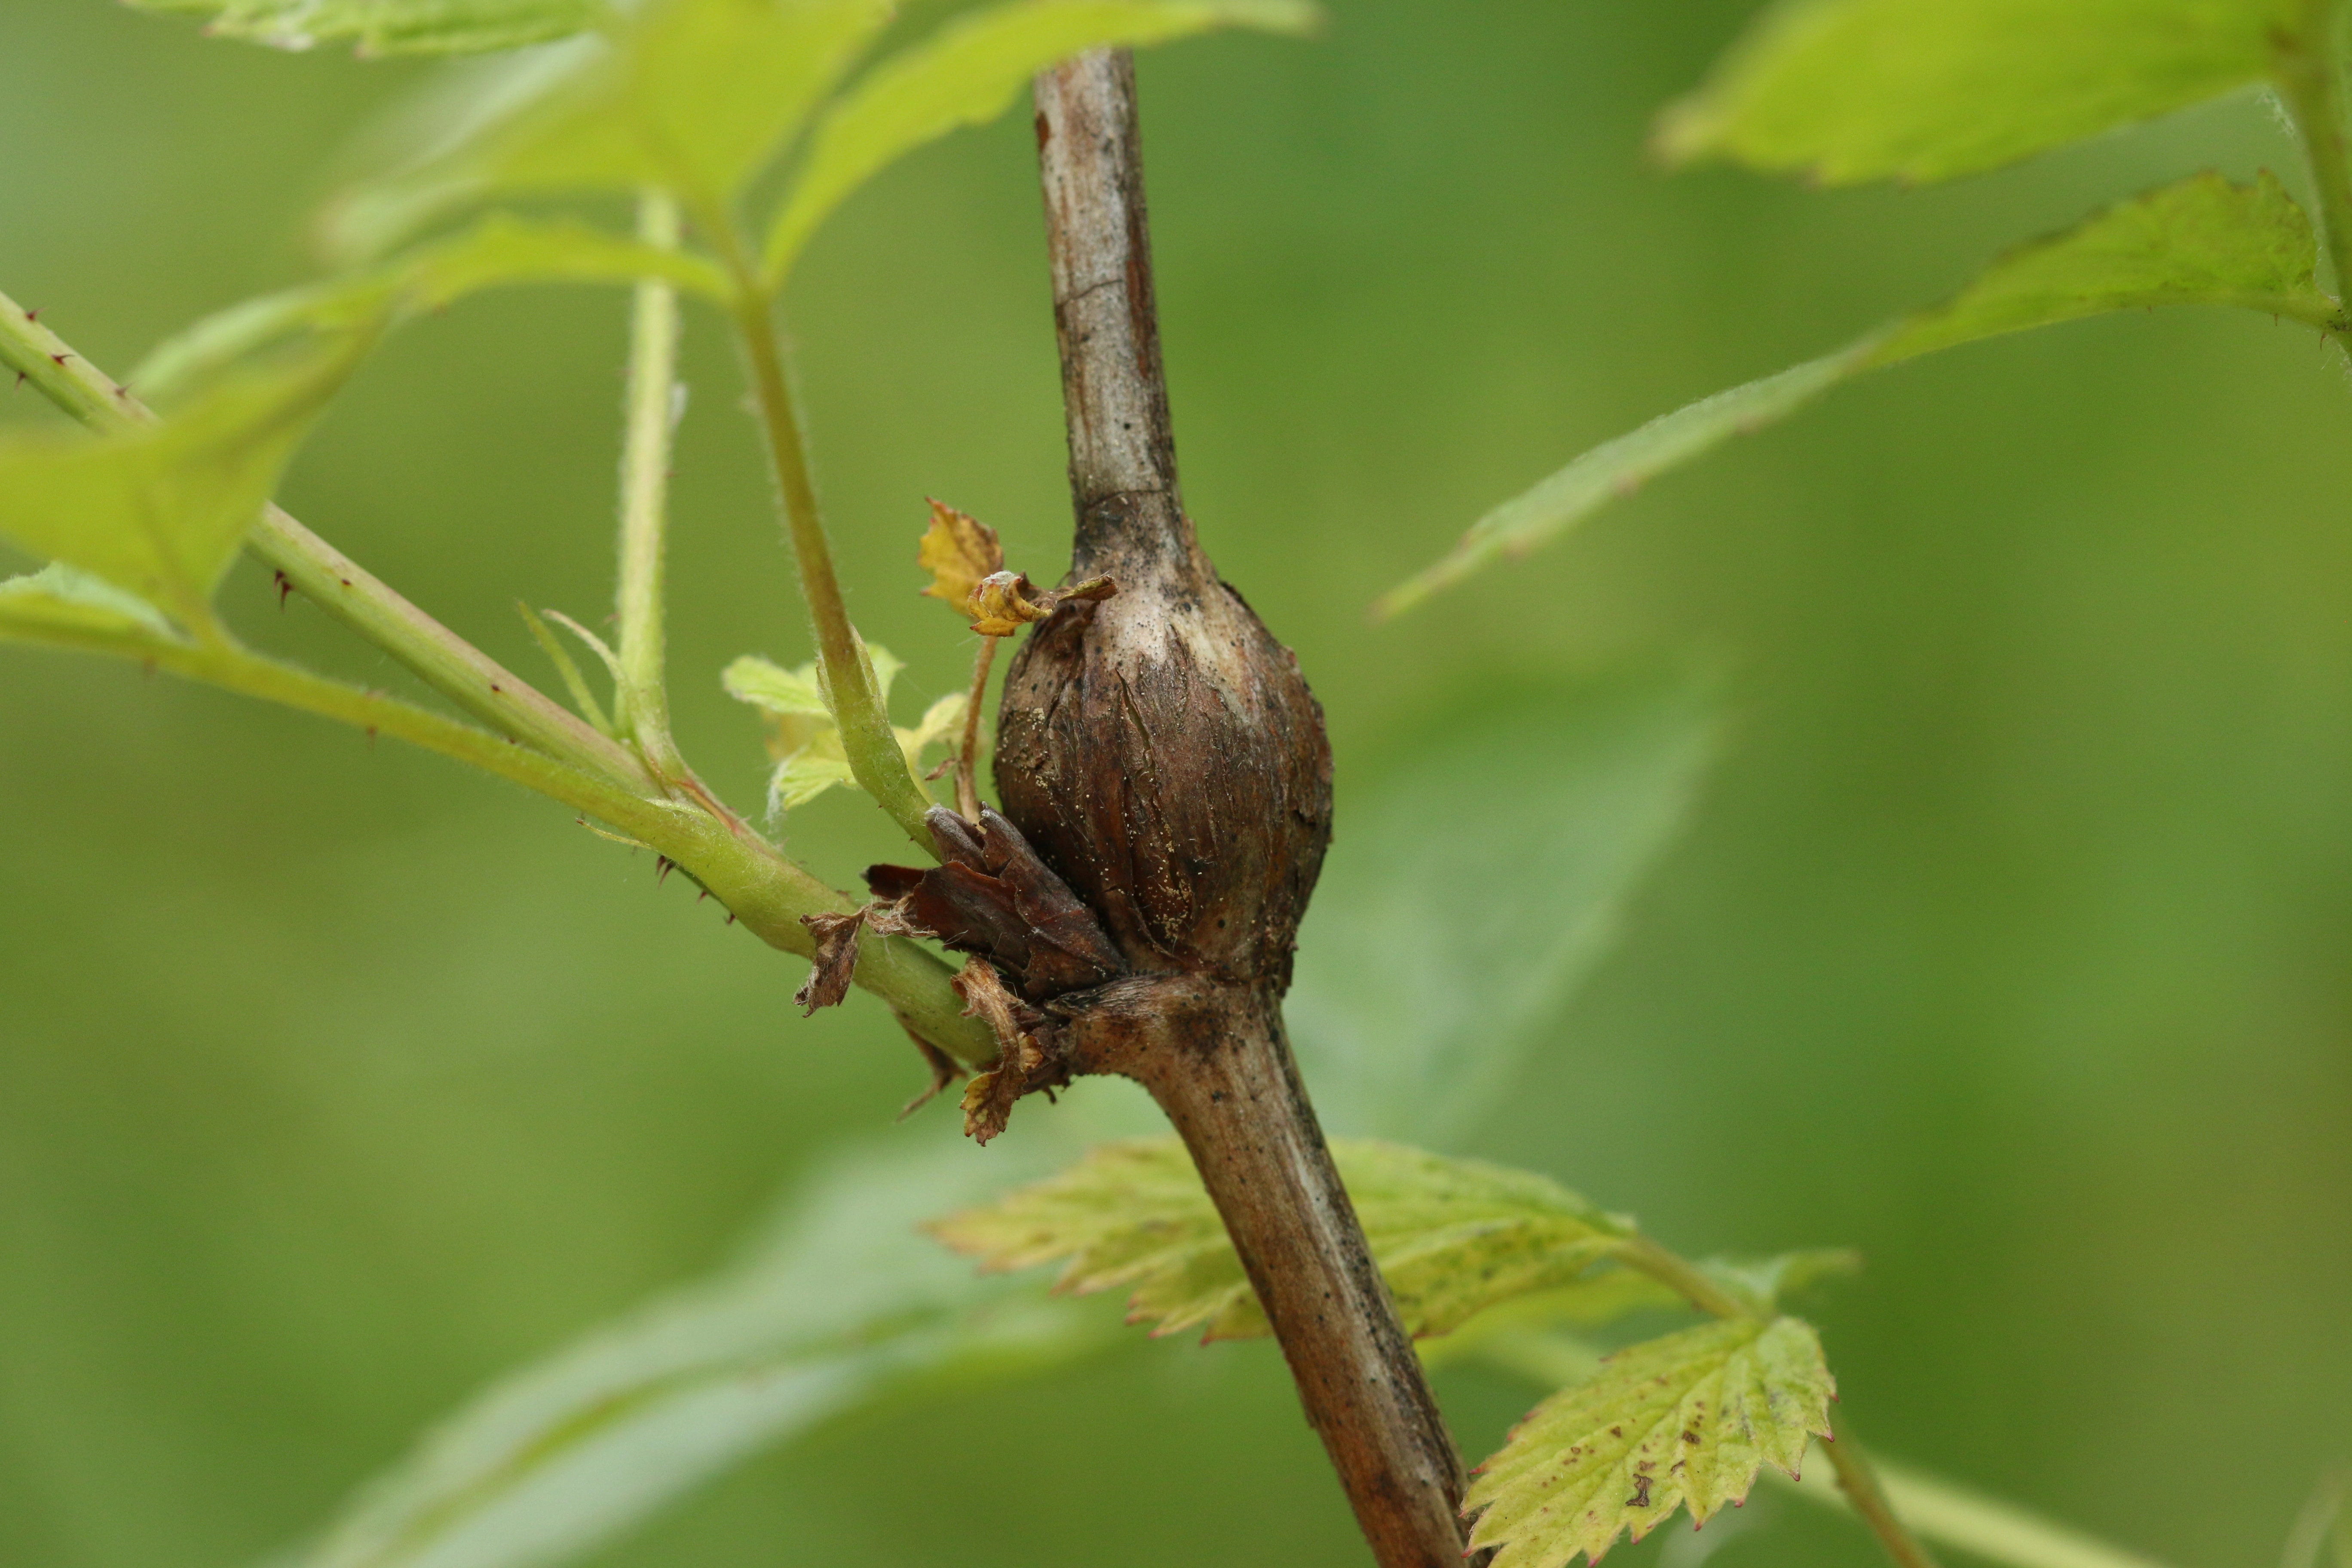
{"x":1162,"y":752}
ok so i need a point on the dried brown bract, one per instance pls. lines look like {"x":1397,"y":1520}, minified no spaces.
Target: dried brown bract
{"x":995,"y":898}
{"x":945,"y":1071}
{"x":1030,"y":1054}
{"x":834,"y":963}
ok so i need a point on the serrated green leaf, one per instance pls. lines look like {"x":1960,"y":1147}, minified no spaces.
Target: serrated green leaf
{"x":1610,"y":1292}
{"x":842,"y":1304}
{"x":2203,"y":241}
{"x":941,"y":722}
{"x":967,"y":73}
{"x":1844,"y":90}
{"x":417,"y":155}
{"x":201,"y":351}
{"x":390,"y":27}
{"x":501,"y":249}
{"x":802,"y":737}
{"x":1618,"y":468}
{"x":771,"y":687}
{"x":1688,"y":1419}
{"x":808,"y":773}
{"x":160,"y":511}
{"x":695,"y":98}
{"x":59,"y":604}
{"x":1939,"y":1511}
{"x":1475,"y":885}
{"x":1450,"y":1237}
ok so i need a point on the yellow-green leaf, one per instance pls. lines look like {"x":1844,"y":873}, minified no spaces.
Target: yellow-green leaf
{"x":958,"y":550}
{"x":160,"y":511}
{"x":967,"y":73}
{"x":58,"y":604}
{"x":500,"y":249}
{"x":428,"y":143}
{"x":802,"y":737}
{"x":837,"y":1306}
{"x":1844,"y":90}
{"x":939,"y":722}
{"x":697,"y":95}
{"x":808,"y":772}
{"x":1450,"y":1237}
{"x":2202,"y":241}
{"x":771,"y":687}
{"x":1688,"y":1419}
{"x":390,"y":27}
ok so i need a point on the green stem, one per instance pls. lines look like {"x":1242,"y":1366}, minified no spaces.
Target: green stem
{"x":564,"y":759}
{"x":1853,"y":1466}
{"x":2311,"y":79}
{"x":766,"y":893}
{"x":1859,"y":1483}
{"x":643,"y":697}
{"x":1697,"y":1286}
{"x":338,"y":584}
{"x":1981,"y":1526}
{"x":875,"y":758}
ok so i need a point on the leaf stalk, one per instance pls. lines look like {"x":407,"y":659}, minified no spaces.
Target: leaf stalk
{"x":2310,"y":77}
{"x":534,"y":742}
{"x":967,"y":768}
{"x":337,"y":583}
{"x":642,"y":700}
{"x":875,"y":758}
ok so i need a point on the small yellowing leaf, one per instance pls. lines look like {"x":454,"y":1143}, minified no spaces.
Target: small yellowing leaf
{"x":1688,"y":1418}
{"x":958,"y":550}
{"x":803,"y":739}
{"x":1450,"y":1237}
{"x":940,"y":723}
{"x":998,"y":607}
{"x":1004,"y":602}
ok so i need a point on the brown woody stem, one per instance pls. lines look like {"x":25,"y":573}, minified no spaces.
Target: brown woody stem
{"x":1216,"y":1060}
{"x":1209,"y":1046}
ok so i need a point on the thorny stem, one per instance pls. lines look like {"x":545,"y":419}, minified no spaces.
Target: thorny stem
{"x":2310,"y":78}
{"x":643,"y":699}
{"x":338,"y":584}
{"x":967,"y":784}
{"x":875,"y":758}
{"x":1853,"y":1466}
{"x":541,"y":745}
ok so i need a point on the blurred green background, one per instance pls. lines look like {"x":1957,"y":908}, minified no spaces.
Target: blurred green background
{"x":2008,"y":943}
